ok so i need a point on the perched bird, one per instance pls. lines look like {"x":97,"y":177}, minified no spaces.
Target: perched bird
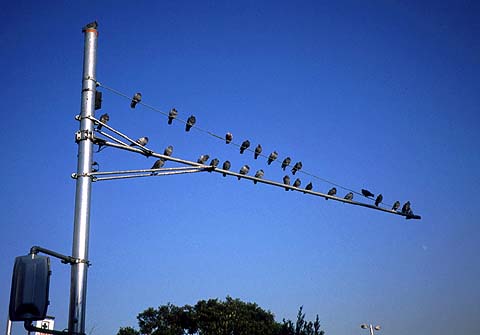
{"x":137,"y":97}
{"x":286,"y":181}
{"x":228,"y":138}
{"x":245,"y":145}
{"x":159,"y":163}
{"x":141,"y":141}
{"x":349,"y":196}
{"x":203,"y":159}
{"x":214,"y":162}
{"x":309,"y":187}
{"x":95,"y":166}
{"x":296,"y":167}
{"x":226,"y":166}
{"x":244,"y":170}
{"x":396,"y":205}
{"x":258,"y":151}
{"x":104,"y":119}
{"x":379,"y":200}
{"x":259,"y":175}
{"x":286,"y":162}
{"x":332,"y":192}
{"x":367,"y":193}
{"x":190,"y":122}
{"x":168,"y":151}
{"x":406,"y":208}
{"x":172,"y":115}
{"x":273,"y":156}
{"x":297,"y":183}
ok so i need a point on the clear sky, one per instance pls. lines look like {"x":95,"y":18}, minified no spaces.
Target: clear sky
{"x":381,"y":95}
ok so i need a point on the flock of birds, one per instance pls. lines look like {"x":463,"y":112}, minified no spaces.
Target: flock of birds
{"x":245,"y":169}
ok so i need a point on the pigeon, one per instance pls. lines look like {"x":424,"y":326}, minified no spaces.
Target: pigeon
{"x":258,"y":151}
{"x":104,"y":119}
{"x":273,"y":156}
{"x":95,"y":166}
{"x":226,"y":166}
{"x":367,"y":193}
{"x":396,"y":205}
{"x":286,"y":181}
{"x":259,"y":175}
{"x":228,"y":138}
{"x":297,"y":183}
{"x":332,"y":192}
{"x":168,"y":151}
{"x":309,"y":187}
{"x":214,"y":162}
{"x":157,"y":165}
{"x":190,"y":122}
{"x":203,"y":159}
{"x":349,"y":196}
{"x":137,"y":97}
{"x":296,"y":167}
{"x":245,"y":145}
{"x":141,"y":141}
{"x":286,"y":162}
{"x":244,"y":170}
{"x":172,"y":115}
{"x":379,"y":200}
{"x":406,"y":208}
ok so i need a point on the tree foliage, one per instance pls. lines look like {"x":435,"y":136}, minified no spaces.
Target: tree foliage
{"x":214,"y":317}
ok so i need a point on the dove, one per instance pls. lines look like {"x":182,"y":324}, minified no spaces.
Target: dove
{"x":349,"y":196}
{"x":406,"y":208}
{"x":332,"y":192}
{"x":190,"y":122}
{"x":202,"y":159}
{"x":172,"y":115}
{"x":141,"y":141}
{"x":137,"y":97}
{"x":297,"y":183}
{"x":244,"y":170}
{"x":286,"y":181}
{"x":168,"y":151}
{"x":258,"y":151}
{"x":286,"y":162}
{"x":157,"y":165}
{"x":259,"y":174}
{"x":296,"y":167}
{"x":104,"y":119}
{"x":228,"y":138}
{"x":273,"y":156}
{"x":226,"y":166}
{"x":309,"y":187}
{"x":367,"y":193}
{"x":379,"y":200}
{"x":396,"y":205}
{"x":245,"y":145}
{"x":214,"y":162}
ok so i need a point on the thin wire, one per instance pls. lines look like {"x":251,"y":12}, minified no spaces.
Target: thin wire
{"x":222,"y":138}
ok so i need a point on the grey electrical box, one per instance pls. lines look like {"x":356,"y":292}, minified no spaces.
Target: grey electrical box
{"x":30,"y":285}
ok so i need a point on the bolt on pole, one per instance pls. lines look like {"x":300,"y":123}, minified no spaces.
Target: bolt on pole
{"x":78,"y":283}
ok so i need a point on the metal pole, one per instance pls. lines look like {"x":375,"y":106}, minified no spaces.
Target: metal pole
{"x":371,"y":330}
{"x":8,"y":331}
{"x":78,"y":284}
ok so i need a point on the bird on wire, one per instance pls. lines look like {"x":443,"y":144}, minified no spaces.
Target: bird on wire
{"x":296,"y":167}
{"x":259,"y":174}
{"x":104,"y":119}
{"x":273,"y":156}
{"x":203,"y":159}
{"x":367,"y":193}
{"x":309,"y":187}
{"x":286,"y":181}
{"x":141,"y":141}
{"x":349,"y":196}
{"x":258,"y":151}
{"x":406,"y":207}
{"x":396,"y":206}
{"x":168,"y":151}
{"x":214,"y":162}
{"x":379,"y":200}
{"x":159,"y":163}
{"x":286,"y":162}
{"x":244,"y":170}
{"x":172,"y":115}
{"x":296,"y":183}
{"x":332,"y":192}
{"x":226,"y":166}
{"x":245,"y":145}
{"x":228,"y":138}
{"x":190,"y":122}
{"x":137,"y":97}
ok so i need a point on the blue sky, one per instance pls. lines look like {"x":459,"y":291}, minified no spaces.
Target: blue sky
{"x":380,"y":94}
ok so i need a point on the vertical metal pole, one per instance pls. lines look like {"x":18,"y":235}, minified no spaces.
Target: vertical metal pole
{"x":78,"y":284}
{"x":9,"y":327}
{"x":371,"y":330}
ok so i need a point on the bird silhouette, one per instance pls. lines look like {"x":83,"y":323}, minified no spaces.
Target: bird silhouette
{"x":349,"y":196}
{"x":141,"y":141}
{"x":379,"y":200}
{"x":296,"y":183}
{"x":228,"y":138}
{"x":273,"y":156}
{"x":104,"y":118}
{"x":406,"y":207}
{"x":296,"y":167}
{"x":259,"y":174}
{"x":226,"y":166}
{"x":367,"y":193}
{"x":332,"y":192}
{"x":309,"y":187}
{"x":258,"y":151}
{"x":396,"y":206}
{"x":190,"y":122}
{"x":137,"y":97}
{"x":168,"y":151}
{"x":203,"y":159}
{"x":214,"y":162}
{"x":245,"y":145}
{"x":286,"y":181}
{"x":244,"y":170}
{"x":159,"y":163}
{"x":286,"y":162}
{"x":172,"y":115}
